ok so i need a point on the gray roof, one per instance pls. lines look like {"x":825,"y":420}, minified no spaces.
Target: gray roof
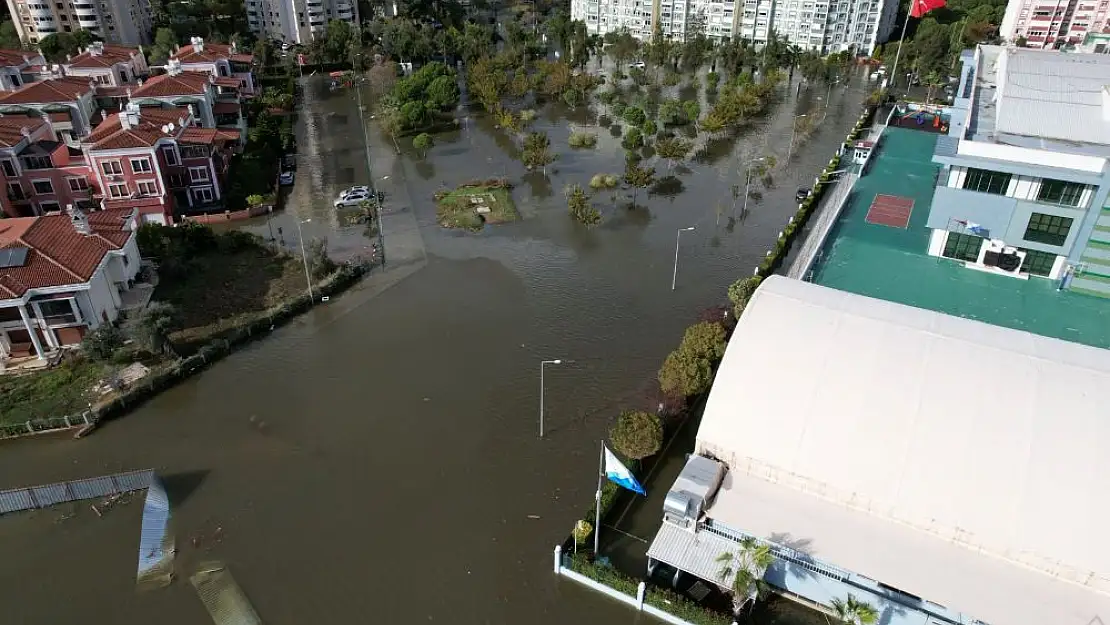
{"x":1048,"y":94}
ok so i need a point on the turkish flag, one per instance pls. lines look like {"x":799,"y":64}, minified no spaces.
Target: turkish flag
{"x":921,"y":7}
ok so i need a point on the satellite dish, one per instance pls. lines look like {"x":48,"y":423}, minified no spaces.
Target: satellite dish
{"x":165,"y":130}
{"x":171,"y":127}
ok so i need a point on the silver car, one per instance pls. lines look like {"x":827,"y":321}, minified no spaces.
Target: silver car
{"x":352,"y":198}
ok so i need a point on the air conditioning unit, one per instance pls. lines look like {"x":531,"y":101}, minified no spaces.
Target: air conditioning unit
{"x":1003,"y":258}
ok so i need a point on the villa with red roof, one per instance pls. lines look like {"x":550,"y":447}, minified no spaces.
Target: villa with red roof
{"x":61,"y":276}
{"x":229,"y":65}
{"x":19,"y":67}
{"x":213,"y":104}
{"x":108,"y":65}
{"x":69,"y":102}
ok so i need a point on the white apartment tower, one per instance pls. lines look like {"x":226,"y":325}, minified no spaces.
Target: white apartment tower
{"x":826,"y":26}
{"x":126,"y":22}
{"x":1053,"y":24}
{"x":297,"y":21}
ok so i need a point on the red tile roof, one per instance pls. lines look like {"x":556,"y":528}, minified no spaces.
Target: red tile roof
{"x":228,"y":81}
{"x":58,"y":254}
{"x":111,"y":135}
{"x":111,"y":55}
{"x":14,"y":58}
{"x":208,"y":135}
{"x":210,"y":53}
{"x":12,"y":126}
{"x":185,"y":83}
{"x":65,"y":89}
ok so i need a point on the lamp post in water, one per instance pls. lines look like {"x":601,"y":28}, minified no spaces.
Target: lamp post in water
{"x":542,"y":363}
{"x":793,"y":131}
{"x":304,"y":257}
{"x":677,"y":238}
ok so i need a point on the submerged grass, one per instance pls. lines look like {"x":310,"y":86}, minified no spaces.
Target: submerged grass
{"x":63,"y":390}
{"x":459,"y":208}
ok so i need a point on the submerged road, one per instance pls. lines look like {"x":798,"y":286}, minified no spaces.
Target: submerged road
{"x":377,"y":460}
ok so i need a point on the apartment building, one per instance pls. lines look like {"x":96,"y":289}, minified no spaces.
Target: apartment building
{"x":108,"y":65}
{"x":826,"y":26}
{"x":226,"y":62}
{"x":297,"y":21}
{"x":126,"y":22}
{"x":1053,"y":24}
{"x":1025,"y":188}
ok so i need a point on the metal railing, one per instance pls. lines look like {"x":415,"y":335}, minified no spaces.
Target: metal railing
{"x":38,"y":426}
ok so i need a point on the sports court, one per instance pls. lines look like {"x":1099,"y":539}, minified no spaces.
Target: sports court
{"x":890,"y":210}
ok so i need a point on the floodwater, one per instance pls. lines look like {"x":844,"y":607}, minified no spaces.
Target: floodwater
{"x":378,"y":459}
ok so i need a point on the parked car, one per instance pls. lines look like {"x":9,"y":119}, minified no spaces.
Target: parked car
{"x":286,"y":178}
{"x":801,"y":194}
{"x":637,"y":65}
{"x":289,"y":162}
{"x":354,"y":198}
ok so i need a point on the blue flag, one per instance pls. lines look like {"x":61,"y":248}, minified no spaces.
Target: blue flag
{"x":620,"y":475}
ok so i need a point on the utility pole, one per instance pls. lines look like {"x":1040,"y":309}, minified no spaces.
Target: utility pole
{"x":370,"y":172}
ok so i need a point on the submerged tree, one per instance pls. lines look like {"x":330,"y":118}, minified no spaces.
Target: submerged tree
{"x":673,"y":149}
{"x":537,"y":151}
{"x":578,"y":203}
{"x":422,"y":142}
{"x":637,"y":177}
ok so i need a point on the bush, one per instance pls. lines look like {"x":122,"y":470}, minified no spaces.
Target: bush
{"x":671,"y":79}
{"x":101,"y":344}
{"x":741,"y":292}
{"x":605,"y":574}
{"x":155,"y":325}
{"x":319,"y":262}
{"x":712,"y":79}
{"x":634,"y":115}
{"x":649,"y":128}
{"x":637,"y":434}
{"x":689,"y":369}
{"x":578,"y":203}
{"x":633,"y":139}
{"x":617,"y":108}
{"x":582,"y":140}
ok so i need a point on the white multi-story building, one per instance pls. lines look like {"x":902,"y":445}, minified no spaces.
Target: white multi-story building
{"x":297,"y":21}
{"x":125,"y":22}
{"x":1053,"y":23}
{"x":823,"y":25}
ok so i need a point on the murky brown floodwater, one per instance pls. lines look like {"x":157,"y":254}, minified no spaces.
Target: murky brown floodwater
{"x":378,"y":459}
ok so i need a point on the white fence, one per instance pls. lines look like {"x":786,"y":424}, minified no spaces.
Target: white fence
{"x":635,"y":602}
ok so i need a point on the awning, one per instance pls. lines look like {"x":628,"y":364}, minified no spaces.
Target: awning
{"x":693,"y":552}
{"x":225,"y":108}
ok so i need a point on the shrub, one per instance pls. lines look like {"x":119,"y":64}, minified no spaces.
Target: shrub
{"x":155,"y":325}
{"x":649,"y":127}
{"x":319,"y":262}
{"x":582,"y":140}
{"x":607,"y":97}
{"x":741,"y":292}
{"x":671,"y":79}
{"x":617,"y":108}
{"x":101,"y":344}
{"x":582,"y":531}
{"x":637,"y":434}
{"x":633,"y":139}
{"x":578,"y":203}
{"x":634,"y":115}
{"x":712,"y":79}
{"x":689,"y":369}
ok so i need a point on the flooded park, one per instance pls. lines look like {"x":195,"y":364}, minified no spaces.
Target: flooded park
{"x":379,"y":458}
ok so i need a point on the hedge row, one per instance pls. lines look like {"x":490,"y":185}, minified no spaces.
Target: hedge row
{"x":778,"y":253}
{"x":231,"y":340}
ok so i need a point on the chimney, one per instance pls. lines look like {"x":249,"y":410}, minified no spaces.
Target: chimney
{"x":95,"y":48}
{"x":69,"y":58}
{"x":198,"y":44}
{"x":234,"y":48}
{"x":173,"y":67}
{"x":129,"y":117}
{"x":79,"y":220}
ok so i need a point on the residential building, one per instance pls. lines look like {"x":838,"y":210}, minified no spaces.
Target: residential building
{"x":297,"y":21}
{"x":214,"y":101}
{"x":916,"y":461}
{"x":822,"y":25}
{"x":1026,"y":168}
{"x":1052,"y":23}
{"x":108,"y":65}
{"x":61,"y":276}
{"x":230,"y":66}
{"x":155,"y":159}
{"x":69,"y":102}
{"x":40,"y":173}
{"x":19,"y":67}
{"x":126,"y":22}
{"x":1093,"y":43}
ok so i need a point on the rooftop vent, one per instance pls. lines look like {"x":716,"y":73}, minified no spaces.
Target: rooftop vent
{"x":198,"y":44}
{"x":96,"y":48}
{"x":693,"y":491}
{"x":173,"y":67}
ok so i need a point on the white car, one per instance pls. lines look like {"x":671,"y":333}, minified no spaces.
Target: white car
{"x":638,"y":65}
{"x":358,"y":189}
{"x":352,"y":198}
{"x":286,"y":178}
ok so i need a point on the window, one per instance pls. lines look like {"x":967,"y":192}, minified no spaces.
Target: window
{"x":111,"y":168}
{"x":963,"y":246}
{"x":57,"y":311}
{"x":170,"y":155}
{"x":1038,"y":263}
{"x":140,"y":165}
{"x":1060,"y":192}
{"x":203,"y":194}
{"x":177,"y":181}
{"x":37,"y":162}
{"x":118,"y":191}
{"x":50,"y":207}
{"x":147,"y":187}
{"x":78,"y":184}
{"x":15,"y":191}
{"x":9,"y":167}
{"x":198,"y":174}
{"x":1048,"y":229}
{"x":194,"y":151}
{"x":985,"y":181}
{"x":43,"y":187}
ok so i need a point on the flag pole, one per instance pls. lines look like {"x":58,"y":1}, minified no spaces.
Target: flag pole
{"x":901,"y":42}
{"x":597,"y":496}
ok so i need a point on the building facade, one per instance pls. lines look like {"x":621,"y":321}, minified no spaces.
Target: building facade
{"x":61,"y":276}
{"x":1026,"y":168}
{"x":1052,"y":24}
{"x":826,"y":26}
{"x":108,"y":65}
{"x":19,"y":67}
{"x":297,"y":21}
{"x":126,"y":22}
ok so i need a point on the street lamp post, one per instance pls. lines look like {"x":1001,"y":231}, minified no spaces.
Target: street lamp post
{"x":748,"y":181}
{"x":828,"y":101}
{"x":370,"y":173}
{"x":793,"y":131}
{"x":542,"y":363}
{"x":677,"y":238}
{"x":304,"y":257}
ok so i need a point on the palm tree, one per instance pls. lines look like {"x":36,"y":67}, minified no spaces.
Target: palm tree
{"x":746,"y":567}
{"x":852,"y":611}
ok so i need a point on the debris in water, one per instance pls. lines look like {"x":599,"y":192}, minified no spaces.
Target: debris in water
{"x":533,"y":516}
{"x":222,"y":597}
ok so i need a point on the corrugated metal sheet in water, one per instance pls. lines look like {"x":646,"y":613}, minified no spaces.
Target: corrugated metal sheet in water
{"x":50,"y":494}
{"x":222,"y":597}
{"x":155,"y":540}
{"x":92,"y":488}
{"x":15,"y":500}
